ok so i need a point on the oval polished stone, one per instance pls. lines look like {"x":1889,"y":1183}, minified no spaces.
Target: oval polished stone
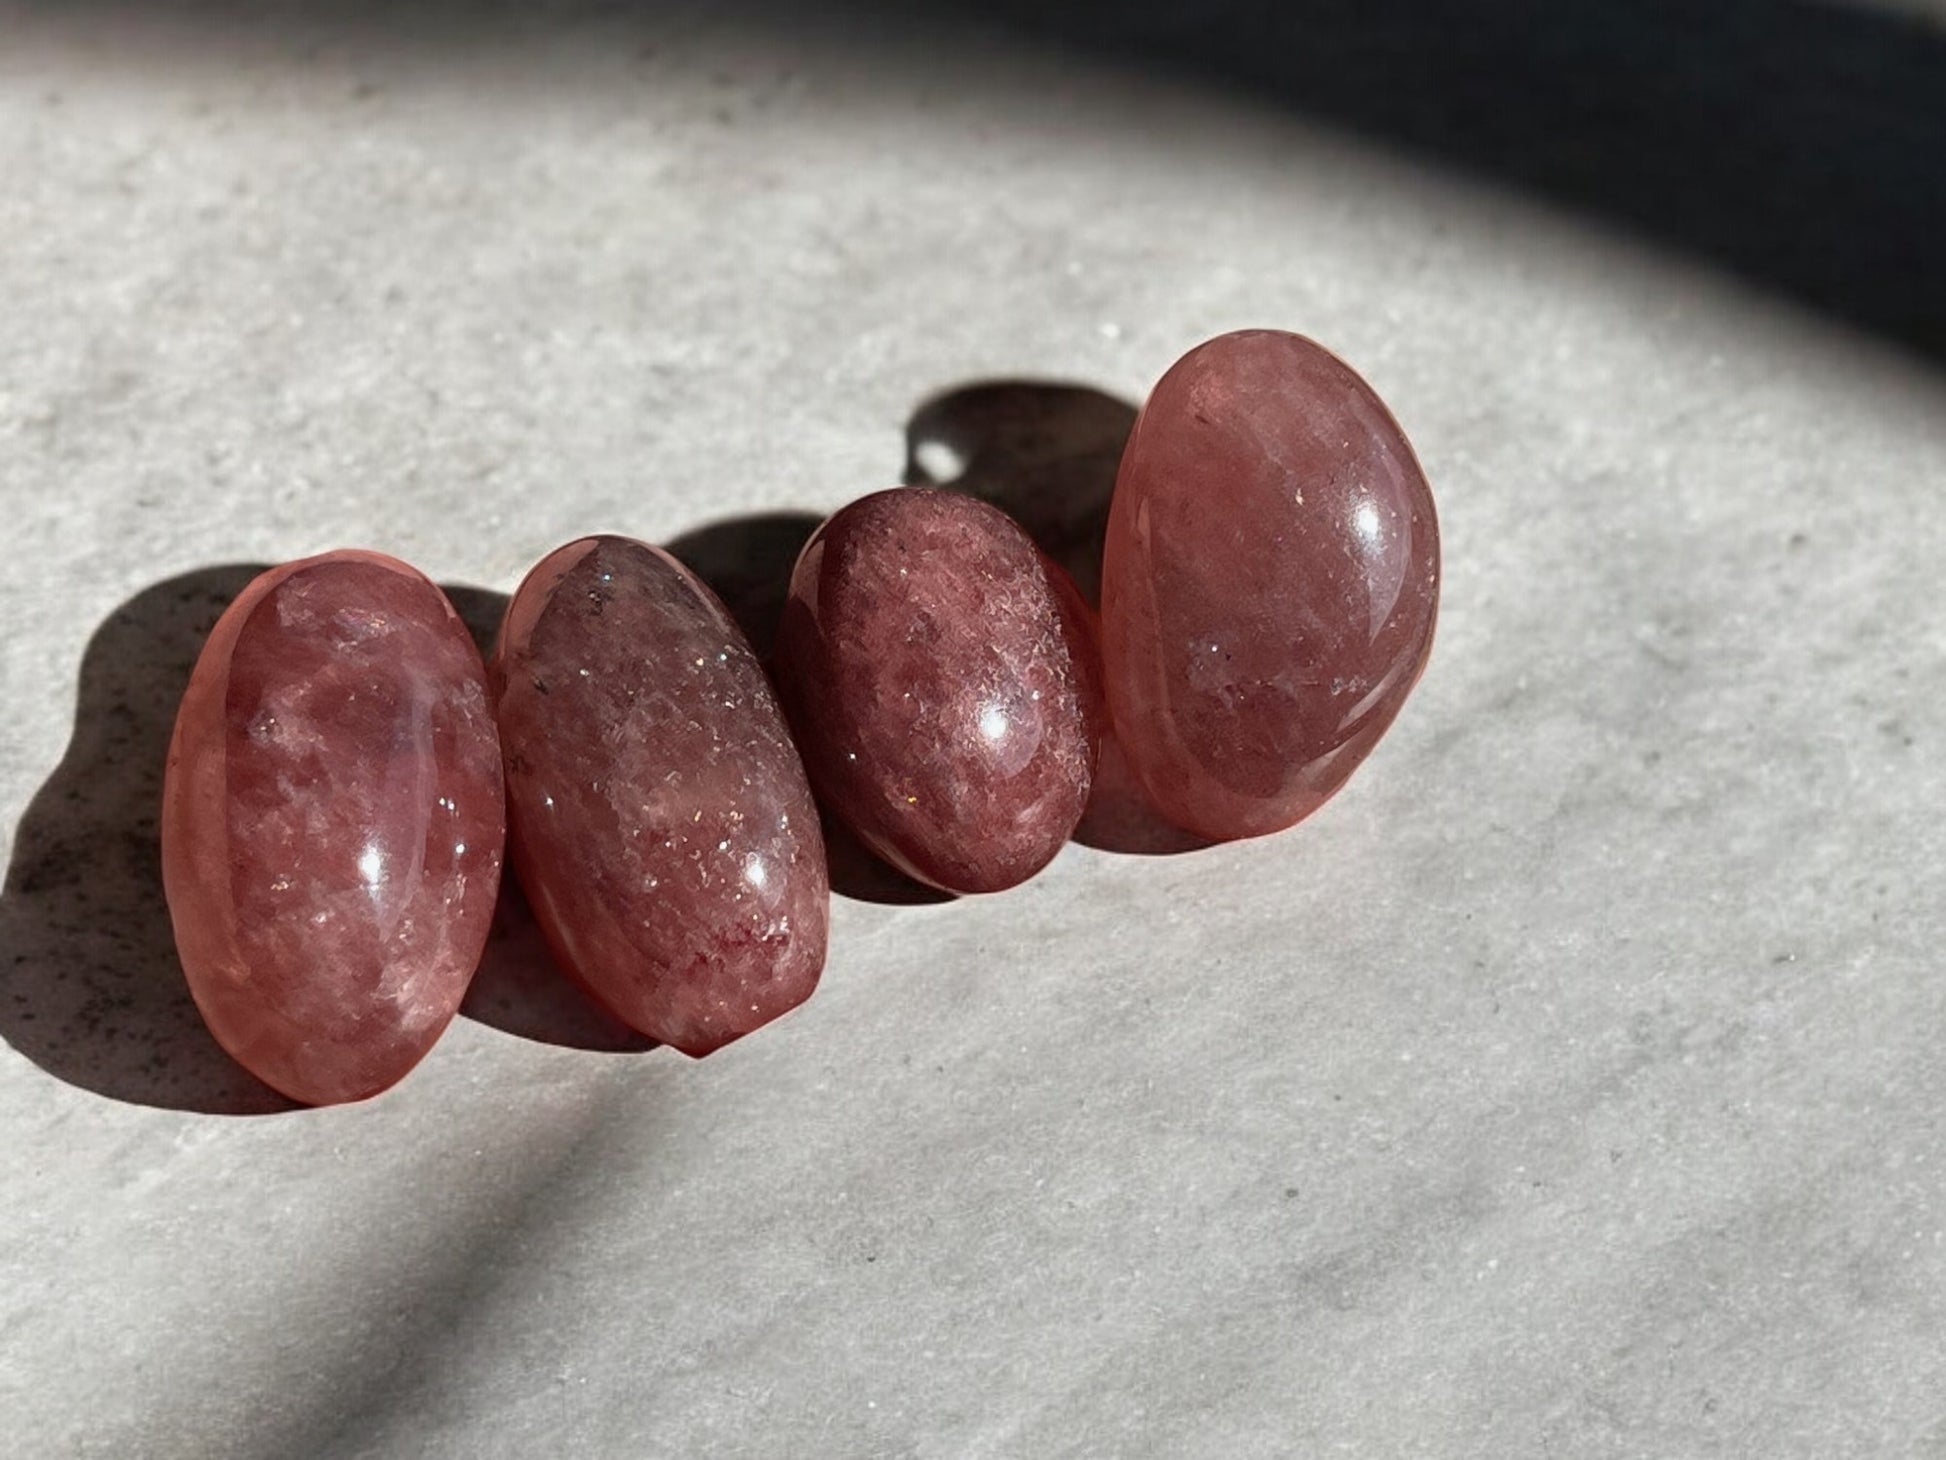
{"x":659,"y":818}
{"x":940,"y":673}
{"x":1269,"y":584}
{"x":333,"y":823}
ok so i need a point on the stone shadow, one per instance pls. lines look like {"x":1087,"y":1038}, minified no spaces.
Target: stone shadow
{"x":90,"y":989}
{"x":1044,"y":452}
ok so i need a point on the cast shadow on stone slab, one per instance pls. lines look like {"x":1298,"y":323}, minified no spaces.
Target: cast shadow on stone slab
{"x":859,"y":873}
{"x":1043,"y":452}
{"x":747,"y":562}
{"x":90,"y":989}
{"x":1120,"y":818}
{"x":1795,"y":145}
{"x":519,"y":988}
{"x":1046,"y":453}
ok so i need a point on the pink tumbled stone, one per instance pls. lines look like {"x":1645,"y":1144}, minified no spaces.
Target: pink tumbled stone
{"x":659,"y":818}
{"x":1269,"y":584}
{"x":941,"y":676}
{"x":332,"y":824}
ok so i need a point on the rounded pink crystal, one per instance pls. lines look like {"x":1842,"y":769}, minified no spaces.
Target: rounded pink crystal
{"x":659,"y":817}
{"x":333,"y":823}
{"x":1269,"y":583}
{"x":941,"y":676}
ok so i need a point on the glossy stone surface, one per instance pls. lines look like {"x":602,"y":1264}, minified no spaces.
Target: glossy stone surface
{"x":659,"y":818}
{"x":1269,"y":585}
{"x":332,"y":824}
{"x":941,"y":676}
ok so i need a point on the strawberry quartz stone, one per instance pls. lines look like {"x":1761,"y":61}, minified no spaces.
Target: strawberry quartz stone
{"x":332,"y":824}
{"x":658,"y":815}
{"x":942,"y":678}
{"x":1269,"y":583}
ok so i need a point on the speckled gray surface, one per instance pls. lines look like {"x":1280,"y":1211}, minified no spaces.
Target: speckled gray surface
{"x":1571,"y":1085}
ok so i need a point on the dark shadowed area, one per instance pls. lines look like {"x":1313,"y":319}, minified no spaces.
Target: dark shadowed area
{"x":1797,"y":145}
{"x":91,"y":990}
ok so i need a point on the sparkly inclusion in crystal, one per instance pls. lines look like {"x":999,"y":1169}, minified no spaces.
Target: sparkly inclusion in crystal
{"x":332,"y":824}
{"x":659,"y":818}
{"x":1269,"y":584}
{"x":941,"y":676}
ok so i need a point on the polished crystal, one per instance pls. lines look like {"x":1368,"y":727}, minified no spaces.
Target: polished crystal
{"x":1269,"y":585}
{"x":941,"y":675}
{"x":659,"y":819}
{"x":332,"y":824}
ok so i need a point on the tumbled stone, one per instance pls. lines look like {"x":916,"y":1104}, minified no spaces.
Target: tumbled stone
{"x":1269,"y":585}
{"x":659,"y":819}
{"x":332,"y":824}
{"x":941,"y":677}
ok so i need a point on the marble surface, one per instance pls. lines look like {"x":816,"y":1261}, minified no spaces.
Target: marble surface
{"x":1570,"y":1085}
